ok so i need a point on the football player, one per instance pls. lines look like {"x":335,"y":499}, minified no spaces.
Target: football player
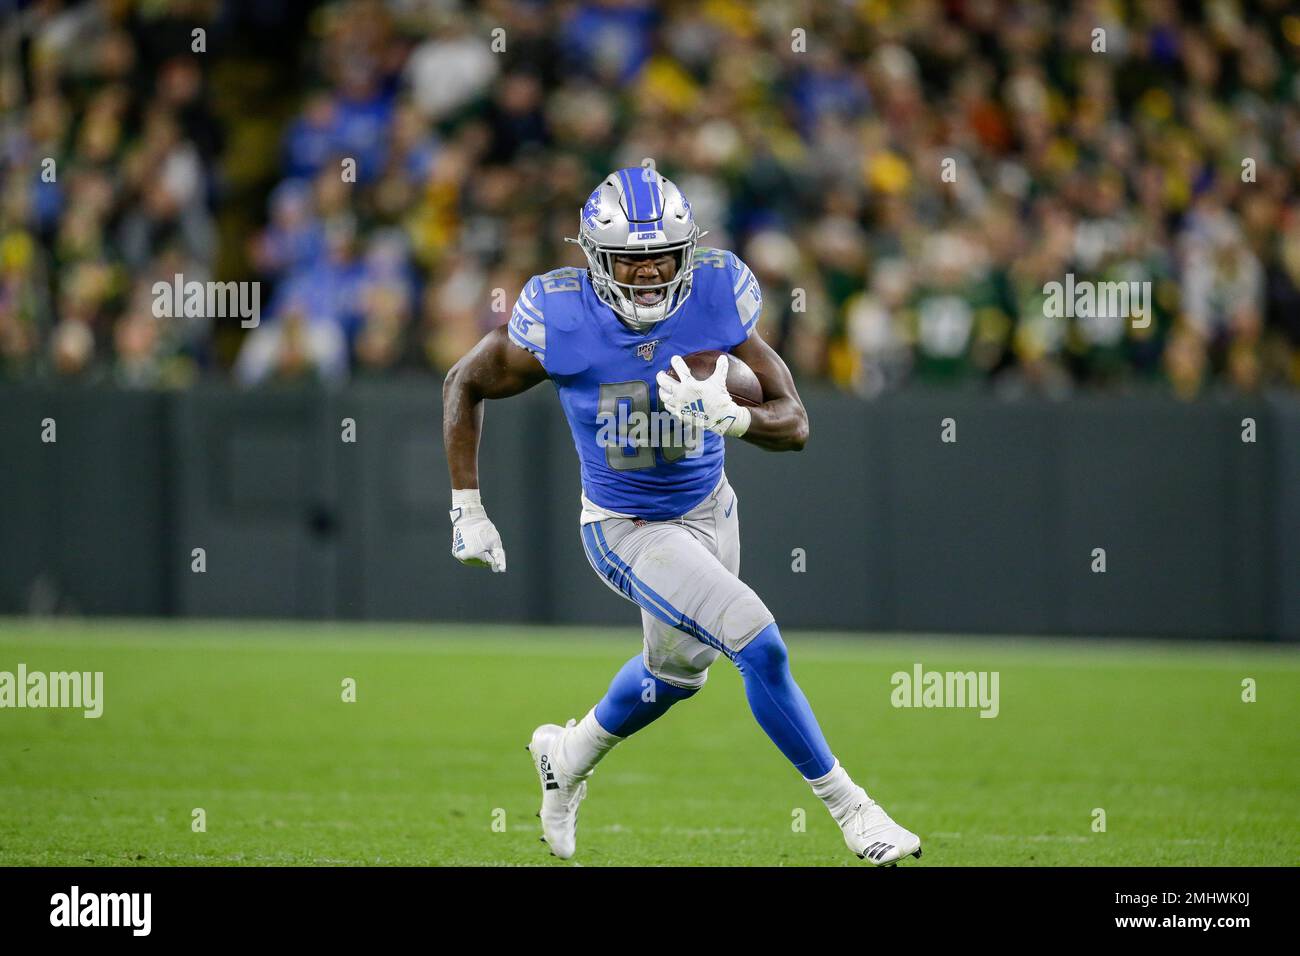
{"x":659,"y":521}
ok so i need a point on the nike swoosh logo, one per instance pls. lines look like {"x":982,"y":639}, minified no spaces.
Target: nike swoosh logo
{"x":727,"y":513}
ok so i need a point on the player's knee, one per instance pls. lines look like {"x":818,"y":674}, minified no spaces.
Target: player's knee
{"x":673,"y":692}
{"x":741,"y":611}
{"x":765,"y":656}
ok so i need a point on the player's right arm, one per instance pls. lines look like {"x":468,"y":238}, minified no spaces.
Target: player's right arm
{"x":495,"y":368}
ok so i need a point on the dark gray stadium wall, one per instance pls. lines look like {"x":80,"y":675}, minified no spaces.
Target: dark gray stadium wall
{"x":1284,"y":582}
{"x":997,"y":529}
{"x":298,"y":522}
{"x":895,"y":528}
{"x":255,"y":486}
{"x":1182,"y":500}
{"x":828,"y":501}
{"x":83,"y":518}
{"x":398,"y":495}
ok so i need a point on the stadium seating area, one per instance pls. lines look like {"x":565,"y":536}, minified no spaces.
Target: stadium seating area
{"x":810,"y":138}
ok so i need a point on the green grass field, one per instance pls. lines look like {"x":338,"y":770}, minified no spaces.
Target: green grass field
{"x":247,"y":722}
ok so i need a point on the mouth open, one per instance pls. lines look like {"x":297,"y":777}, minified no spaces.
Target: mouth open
{"x":649,"y":297}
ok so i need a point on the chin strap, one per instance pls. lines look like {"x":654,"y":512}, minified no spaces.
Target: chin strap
{"x":641,"y":325}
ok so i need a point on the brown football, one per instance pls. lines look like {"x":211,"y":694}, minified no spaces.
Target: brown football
{"x":742,"y":383}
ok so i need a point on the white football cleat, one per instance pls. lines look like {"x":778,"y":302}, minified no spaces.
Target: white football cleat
{"x":872,"y":835}
{"x":560,"y":793}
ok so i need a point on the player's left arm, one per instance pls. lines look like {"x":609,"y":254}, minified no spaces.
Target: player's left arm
{"x":781,"y":422}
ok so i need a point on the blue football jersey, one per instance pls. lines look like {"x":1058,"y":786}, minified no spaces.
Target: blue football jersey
{"x":605,"y":372}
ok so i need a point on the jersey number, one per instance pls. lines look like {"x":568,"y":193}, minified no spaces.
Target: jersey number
{"x":711,"y":257}
{"x":561,"y":280}
{"x":664,"y":434}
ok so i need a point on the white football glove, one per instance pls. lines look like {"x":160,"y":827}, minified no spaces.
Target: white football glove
{"x":474,"y":538}
{"x":705,"y":403}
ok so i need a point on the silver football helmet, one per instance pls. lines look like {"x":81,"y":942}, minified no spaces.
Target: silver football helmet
{"x":636,"y":211}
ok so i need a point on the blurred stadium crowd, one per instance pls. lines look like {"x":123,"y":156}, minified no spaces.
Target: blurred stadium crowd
{"x":809,"y":137}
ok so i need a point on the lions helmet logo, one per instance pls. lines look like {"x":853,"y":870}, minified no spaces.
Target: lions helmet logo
{"x":591,"y":210}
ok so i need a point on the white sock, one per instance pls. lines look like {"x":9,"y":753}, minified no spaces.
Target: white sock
{"x":582,"y":746}
{"x":837,"y":790}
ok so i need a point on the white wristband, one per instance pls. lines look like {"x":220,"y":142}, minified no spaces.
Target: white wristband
{"x":465,"y":498}
{"x":741,"y":424}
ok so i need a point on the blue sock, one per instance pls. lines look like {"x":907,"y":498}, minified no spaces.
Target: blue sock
{"x":779,"y":705}
{"x":624,"y":710}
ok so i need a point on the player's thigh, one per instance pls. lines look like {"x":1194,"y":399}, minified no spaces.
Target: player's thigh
{"x":678,"y":581}
{"x":716,"y":524}
{"x":726,"y":524}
